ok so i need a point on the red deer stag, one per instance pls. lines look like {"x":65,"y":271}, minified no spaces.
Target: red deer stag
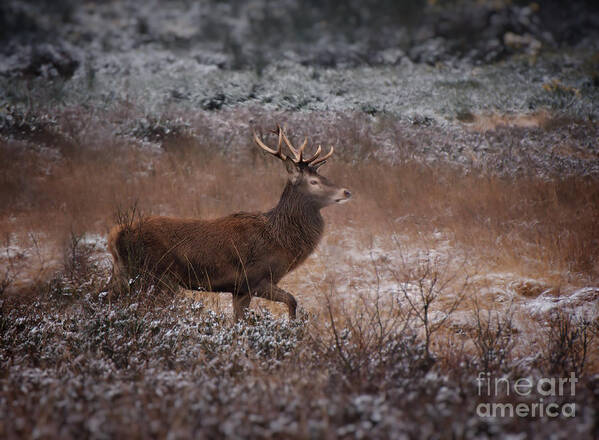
{"x":245,"y":254}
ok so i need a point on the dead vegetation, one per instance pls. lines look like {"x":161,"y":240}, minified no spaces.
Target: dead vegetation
{"x":375,"y":361}
{"x":493,"y":336}
{"x":569,"y":338}
{"x":542,"y":226}
{"x":92,"y":366}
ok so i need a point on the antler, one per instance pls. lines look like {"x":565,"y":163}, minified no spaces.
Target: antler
{"x":278,"y":153}
{"x":315,"y":161}
{"x":299,"y":159}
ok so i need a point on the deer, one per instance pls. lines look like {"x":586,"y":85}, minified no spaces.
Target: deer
{"x":245,"y":254}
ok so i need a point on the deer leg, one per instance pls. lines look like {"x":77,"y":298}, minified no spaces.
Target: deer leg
{"x":118,"y":284}
{"x":273,"y":293}
{"x":241,"y":302}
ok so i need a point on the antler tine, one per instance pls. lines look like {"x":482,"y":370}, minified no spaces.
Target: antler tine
{"x":318,"y":151}
{"x":296,"y":153}
{"x":321,"y":160}
{"x":299,"y":158}
{"x":301,"y":149}
{"x":278,"y":153}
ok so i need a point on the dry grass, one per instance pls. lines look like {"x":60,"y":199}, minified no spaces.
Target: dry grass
{"x":78,"y":365}
{"x":70,"y":179}
{"x":540,"y":227}
{"x":488,"y":122}
{"x":537,"y":225}
{"x":355,"y":336}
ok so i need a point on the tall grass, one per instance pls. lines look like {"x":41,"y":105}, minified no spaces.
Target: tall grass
{"x":534,"y":225}
{"x":375,"y":361}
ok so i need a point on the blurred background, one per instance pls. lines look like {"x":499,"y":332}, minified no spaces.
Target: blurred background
{"x":57,"y":36}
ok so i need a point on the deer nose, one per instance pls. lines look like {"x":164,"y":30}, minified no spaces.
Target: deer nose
{"x":347,"y":193}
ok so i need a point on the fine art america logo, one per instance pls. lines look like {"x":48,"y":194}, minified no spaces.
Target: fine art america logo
{"x":541,"y":396}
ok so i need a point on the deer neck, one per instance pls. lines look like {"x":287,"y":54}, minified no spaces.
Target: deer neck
{"x":296,"y":222}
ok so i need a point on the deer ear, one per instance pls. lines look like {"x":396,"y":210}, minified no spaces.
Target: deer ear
{"x":293,"y":170}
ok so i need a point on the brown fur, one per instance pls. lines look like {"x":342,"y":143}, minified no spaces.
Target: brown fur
{"x":246,"y":254}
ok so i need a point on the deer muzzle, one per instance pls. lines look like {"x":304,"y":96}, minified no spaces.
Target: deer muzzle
{"x":343,"y":196}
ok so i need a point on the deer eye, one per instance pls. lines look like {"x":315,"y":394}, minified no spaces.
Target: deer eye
{"x":313,"y":182}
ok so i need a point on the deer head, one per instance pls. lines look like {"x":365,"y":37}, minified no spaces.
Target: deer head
{"x":303,"y":172}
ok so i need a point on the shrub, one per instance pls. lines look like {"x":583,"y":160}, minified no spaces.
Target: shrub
{"x":568,"y":340}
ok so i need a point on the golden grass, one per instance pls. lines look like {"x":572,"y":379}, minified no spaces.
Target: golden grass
{"x":537,"y":227}
{"x":541,"y":231}
{"x":488,"y":122}
{"x":529,"y":224}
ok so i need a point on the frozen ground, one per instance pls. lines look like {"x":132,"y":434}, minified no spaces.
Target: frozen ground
{"x":169,"y":64}
{"x":372,"y":271}
{"x":491,"y":89}
{"x":158,"y":57}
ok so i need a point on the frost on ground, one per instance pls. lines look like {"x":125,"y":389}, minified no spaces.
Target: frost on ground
{"x":95,"y":368}
{"x":156,"y":62}
{"x":77,"y":362}
{"x":470,"y":244}
{"x":383,"y":270}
